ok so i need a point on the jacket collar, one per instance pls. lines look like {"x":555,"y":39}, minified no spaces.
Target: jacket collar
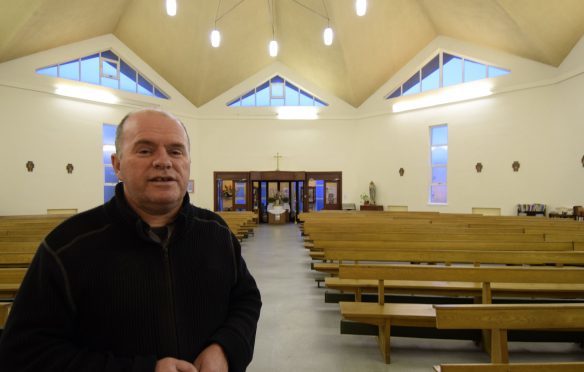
{"x":119,"y":207}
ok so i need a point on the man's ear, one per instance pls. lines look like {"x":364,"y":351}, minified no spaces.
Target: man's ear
{"x":116,"y":165}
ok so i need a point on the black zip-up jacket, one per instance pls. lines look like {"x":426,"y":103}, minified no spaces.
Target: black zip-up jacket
{"x":101,"y":295}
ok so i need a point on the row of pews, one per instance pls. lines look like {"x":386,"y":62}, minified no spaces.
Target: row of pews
{"x":20,"y":237}
{"x":488,"y":275}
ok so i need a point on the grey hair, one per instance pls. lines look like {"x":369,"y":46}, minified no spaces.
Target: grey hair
{"x":120,"y":128}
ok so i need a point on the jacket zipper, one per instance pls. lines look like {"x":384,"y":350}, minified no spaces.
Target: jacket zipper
{"x":168,"y":276}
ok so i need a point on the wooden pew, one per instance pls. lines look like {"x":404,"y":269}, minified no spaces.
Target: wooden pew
{"x":484,"y":245}
{"x":18,"y":247}
{"x":514,"y":367}
{"x":501,"y":318}
{"x":241,"y":223}
{"x":4,"y":311}
{"x":10,"y":280}
{"x":424,"y":315}
{"x":15,"y":259}
{"x":474,"y":257}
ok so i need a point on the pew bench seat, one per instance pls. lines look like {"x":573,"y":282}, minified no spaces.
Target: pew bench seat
{"x":498,"y":319}
{"x":514,"y":367}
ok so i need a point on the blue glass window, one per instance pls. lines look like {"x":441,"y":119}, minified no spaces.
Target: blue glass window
{"x":319,"y":195}
{"x":438,"y":194}
{"x":50,"y":71}
{"x":474,"y":71}
{"x":128,"y":79}
{"x":144,"y":86}
{"x":109,"y":176}
{"x":264,"y":193}
{"x":240,"y":192}
{"x":69,"y":70}
{"x":439,"y":135}
{"x":277,"y":91}
{"x":439,"y":164}
{"x":455,"y":70}
{"x":106,"y":69}
{"x":431,"y":74}
{"x":292,"y":96}
{"x":412,"y":86}
{"x":90,"y":69}
{"x":248,"y":100}
{"x":439,"y":175}
{"x":495,"y":71}
{"x":439,"y":155}
{"x":451,"y":70}
{"x":108,"y":193}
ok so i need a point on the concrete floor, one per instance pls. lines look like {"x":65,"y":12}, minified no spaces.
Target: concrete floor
{"x":299,"y":332}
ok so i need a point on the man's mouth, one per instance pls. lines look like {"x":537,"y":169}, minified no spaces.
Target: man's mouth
{"x":161,"y":179}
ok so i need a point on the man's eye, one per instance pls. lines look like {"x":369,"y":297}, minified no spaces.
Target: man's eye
{"x":176,"y":152}
{"x":144,"y":151}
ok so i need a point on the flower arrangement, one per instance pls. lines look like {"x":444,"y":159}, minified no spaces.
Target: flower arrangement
{"x":365,"y":198}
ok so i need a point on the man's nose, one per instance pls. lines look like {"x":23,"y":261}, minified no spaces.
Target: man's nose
{"x":162,"y":160}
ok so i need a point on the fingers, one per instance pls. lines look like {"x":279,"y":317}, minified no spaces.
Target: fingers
{"x":174,"y":365}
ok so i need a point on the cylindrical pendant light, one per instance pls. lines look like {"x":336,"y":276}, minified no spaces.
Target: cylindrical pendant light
{"x":171,"y":7}
{"x":215,"y":38}
{"x":361,"y":7}
{"x":273,"y":48}
{"x":328,"y":36}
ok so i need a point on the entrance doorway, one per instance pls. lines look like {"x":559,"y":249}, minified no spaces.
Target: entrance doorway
{"x":296,"y":192}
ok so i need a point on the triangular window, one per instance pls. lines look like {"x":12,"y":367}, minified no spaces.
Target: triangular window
{"x":276,"y":91}
{"x":105,"y":69}
{"x":445,"y":70}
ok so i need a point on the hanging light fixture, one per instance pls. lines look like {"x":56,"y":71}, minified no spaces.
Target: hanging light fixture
{"x":215,"y":34}
{"x":328,"y":36}
{"x":215,"y":38}
{"x":273,"y":46}
{"x":171,"y":7}
{"x":328,"y":31}
{"x":361,"y":7}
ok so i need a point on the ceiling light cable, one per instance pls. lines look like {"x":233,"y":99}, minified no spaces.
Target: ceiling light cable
{"x":215,"y":34}
{"x":328,"y":34}
{"x":273,"y":45}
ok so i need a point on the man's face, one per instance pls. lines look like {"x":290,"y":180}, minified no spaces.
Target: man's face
{"x":154,"y":163}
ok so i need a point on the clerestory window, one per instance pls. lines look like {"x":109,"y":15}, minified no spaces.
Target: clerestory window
{"x":445,"y":70}
{"x":277,"y":91}
{"x":106,"y":69}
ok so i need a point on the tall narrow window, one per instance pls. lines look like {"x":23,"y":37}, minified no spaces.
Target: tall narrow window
{"x":109,"y":175}
{"x":439,"y":164}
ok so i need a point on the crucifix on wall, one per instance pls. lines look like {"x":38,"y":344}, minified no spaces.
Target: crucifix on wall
{"x":278,"y":157}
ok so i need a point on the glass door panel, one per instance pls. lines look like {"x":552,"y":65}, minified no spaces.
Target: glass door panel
{"x":226,"y":195}
{"x":331,"y":199}
{"x":240,"y":195}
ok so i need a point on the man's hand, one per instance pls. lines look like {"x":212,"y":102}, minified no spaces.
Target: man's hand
{"x":174,"y":365}
{"x":212,"y":359}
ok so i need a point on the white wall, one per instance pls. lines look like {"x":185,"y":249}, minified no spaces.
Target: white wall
{"x":537,"y":123}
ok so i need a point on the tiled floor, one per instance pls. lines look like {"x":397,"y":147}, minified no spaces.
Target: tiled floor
{"x":299,"y":332}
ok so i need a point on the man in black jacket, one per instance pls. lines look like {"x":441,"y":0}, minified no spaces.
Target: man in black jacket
{"x":146,"y":282}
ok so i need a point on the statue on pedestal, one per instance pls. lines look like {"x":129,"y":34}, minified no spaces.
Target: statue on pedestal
{"x":372,"y":190}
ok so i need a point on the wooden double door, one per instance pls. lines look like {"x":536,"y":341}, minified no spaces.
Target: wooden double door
{"x":298,"y":191}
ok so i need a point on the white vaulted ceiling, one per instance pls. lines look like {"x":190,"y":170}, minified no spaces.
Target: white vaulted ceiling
{"x":366,"y":52}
